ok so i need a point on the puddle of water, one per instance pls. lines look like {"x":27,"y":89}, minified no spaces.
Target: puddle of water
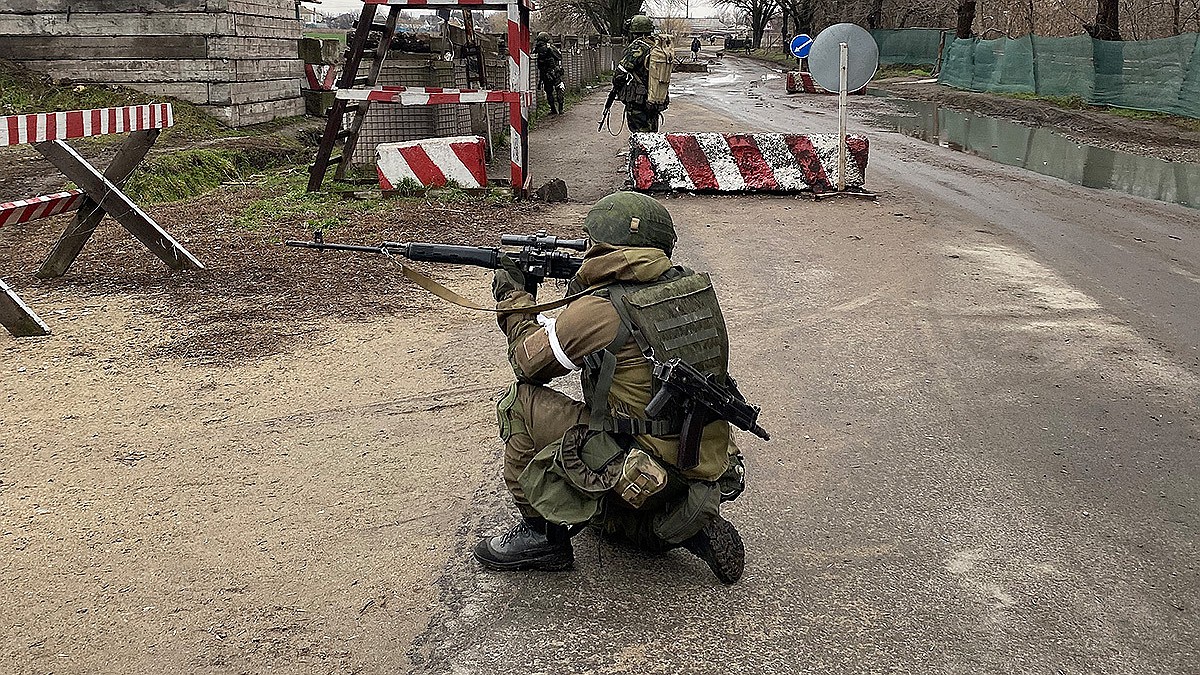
{"x":1045,"y":152}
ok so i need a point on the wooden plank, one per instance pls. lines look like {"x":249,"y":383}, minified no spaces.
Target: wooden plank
{"x":252,"y":70}
{"x":26,"y":47}
{"x":16,"y":316}
{"x":117,"y":205}
{"x":39,"y":127}
{"x":249,"y":25}
{"x":103,"y":6}
{"x":237,"y":47}
{"x":262,"y":7}
{"x":131,"y":71}
{"x":238,"y":93}
{"x":257,"y":113}
{"x":75,"y":23}
{"x":89,"y":215}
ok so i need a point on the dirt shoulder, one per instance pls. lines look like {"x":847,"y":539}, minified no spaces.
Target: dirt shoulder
{"x":1148,"y":137}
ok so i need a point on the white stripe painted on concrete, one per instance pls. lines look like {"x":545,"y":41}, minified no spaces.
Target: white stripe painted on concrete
{"x":779,"y":157}
{"x":665,"y":161}
{"x":720,"y":159}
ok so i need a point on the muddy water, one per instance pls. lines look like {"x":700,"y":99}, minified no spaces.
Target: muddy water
{"x":1043,"y":151}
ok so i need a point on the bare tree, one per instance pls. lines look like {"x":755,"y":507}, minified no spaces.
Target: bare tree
{"x":608,"y":17}
{"x":758,"y":14}
{"x":966,"y":17}
{"x":1108,"y":21}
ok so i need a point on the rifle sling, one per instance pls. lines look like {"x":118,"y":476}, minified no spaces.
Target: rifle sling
{"x":454,"y":298}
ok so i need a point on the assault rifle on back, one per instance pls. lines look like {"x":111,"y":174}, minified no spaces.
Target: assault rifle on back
{"x":539,"y":257}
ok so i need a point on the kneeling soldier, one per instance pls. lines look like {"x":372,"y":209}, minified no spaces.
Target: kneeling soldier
{"x":653,"y":481}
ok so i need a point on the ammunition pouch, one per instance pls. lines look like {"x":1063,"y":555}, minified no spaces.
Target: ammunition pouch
{"x":566,"y":480}
{"x":642,"y":477}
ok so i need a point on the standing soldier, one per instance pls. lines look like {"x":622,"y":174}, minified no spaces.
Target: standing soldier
{"x":641,"y":475}
{"x":633,"y":78}
{"x":550,"y":72}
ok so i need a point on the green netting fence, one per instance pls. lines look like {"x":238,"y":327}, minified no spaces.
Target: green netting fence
{"x":1160,"y":75}
{"x":909,"y":46}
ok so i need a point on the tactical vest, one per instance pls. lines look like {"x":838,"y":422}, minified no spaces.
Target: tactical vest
{"x":677,"y":316}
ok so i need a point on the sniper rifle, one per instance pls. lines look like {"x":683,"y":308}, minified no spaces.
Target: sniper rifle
{"x":539,"y":258}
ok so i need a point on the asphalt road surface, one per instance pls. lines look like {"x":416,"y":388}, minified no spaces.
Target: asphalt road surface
{"x":982,"y":392}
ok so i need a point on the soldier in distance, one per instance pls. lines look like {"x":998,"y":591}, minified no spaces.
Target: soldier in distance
{"x":550,"y":72}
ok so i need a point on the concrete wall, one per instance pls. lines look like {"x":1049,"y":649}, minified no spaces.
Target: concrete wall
{"x":236,"y":58}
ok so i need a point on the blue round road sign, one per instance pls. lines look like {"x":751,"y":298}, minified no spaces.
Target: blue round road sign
{"x":800,"y":45}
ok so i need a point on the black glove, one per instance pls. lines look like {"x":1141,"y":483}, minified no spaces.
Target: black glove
{"x":508,"y":278}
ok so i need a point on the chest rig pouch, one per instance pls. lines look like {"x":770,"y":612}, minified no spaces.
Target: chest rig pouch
{"x":676,"y":317}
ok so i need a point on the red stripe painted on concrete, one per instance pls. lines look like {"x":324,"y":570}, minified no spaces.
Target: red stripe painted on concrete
{"x":427,"y":172}
{"x":694,"y":161}
{"x":755,"y":170}
{"x":384,"y":183}
{"x":810,"y":164}
{"x":643,"y":172}
{"x":858,"y":151}
{"x":471,"y":157}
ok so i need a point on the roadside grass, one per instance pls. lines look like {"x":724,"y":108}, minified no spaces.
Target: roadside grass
{"x":288,"y":199}
{"x":776,"y":56}
{"x":339,"y":35}
{"x":900,"y":70}
{"x":1077,"y":103}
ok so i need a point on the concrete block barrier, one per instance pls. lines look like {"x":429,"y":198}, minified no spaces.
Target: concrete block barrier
{"x":433,"y":162}
{"x":797,"y":81}
{"x":766,"y":162}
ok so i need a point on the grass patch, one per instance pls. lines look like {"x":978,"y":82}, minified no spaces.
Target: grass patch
{"x":182,"y":174}
{"x":1077,"y":103}
{"x":23,"y":91}
{"x":778,"y":56}
{"x":288,"y":200}
{"x":900,"y":70}
{"x":339,"y":35}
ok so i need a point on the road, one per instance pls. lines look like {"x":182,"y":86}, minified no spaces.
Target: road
{"x":982,"y":391}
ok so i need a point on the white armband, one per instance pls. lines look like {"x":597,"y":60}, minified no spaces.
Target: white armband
{"x":548,"y":323}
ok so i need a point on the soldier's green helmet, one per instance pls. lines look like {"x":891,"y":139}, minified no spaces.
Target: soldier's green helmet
{"x":630,"y":219}
{"x":542,"y":37}
{"x":640,"y":23}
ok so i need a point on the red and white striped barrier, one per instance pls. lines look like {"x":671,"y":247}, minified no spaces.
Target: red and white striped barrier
{"x":36,"y":208}
{"x":41,"y":127}
{"x":427,"y":95}
{"x":796,"y":81}
{"x":433,"y":162}
{"x":743,"y":162}
{"x":320,"y":77}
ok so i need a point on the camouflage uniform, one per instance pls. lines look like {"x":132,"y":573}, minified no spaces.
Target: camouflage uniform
{"x":634,"y":67}
{"x":550,"y":72}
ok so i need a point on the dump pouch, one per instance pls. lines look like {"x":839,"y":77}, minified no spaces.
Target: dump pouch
{"x":567,"y":479}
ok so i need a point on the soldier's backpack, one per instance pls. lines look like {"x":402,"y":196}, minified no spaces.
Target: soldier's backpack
{"x":662,"y":57}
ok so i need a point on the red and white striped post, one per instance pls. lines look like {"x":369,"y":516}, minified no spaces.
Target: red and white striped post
{"x":518,"y":81}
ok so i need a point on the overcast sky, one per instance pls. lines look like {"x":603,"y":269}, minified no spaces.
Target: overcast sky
{"x":696,"y":8}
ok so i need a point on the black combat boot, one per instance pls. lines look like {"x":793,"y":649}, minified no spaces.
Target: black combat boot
{"x":532,"y":544}
{"x":719,"y":545}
